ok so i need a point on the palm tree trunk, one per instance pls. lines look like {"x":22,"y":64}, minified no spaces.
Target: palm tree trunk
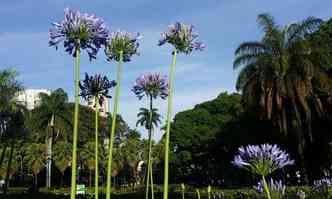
{"x":75,"y":129}
{"x":61,"y":180}
{"x":49,"y":155}
{"x":96,"y":146}
{"x":9,"y":166}
{"x":36,"y":181}
{"x":4,"y":148}
{"x":90,"y":177}
{"x":111,"y":141}
{"x":169,"y":114}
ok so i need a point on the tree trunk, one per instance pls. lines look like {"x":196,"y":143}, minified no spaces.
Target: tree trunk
{"x":9,"y":166}
{"x":4,"y":148}
{"x":61,"y":181}
{"x":90,"y":177}
{"x":49,"y":155}
{"x":49,"y":162}
{"x":36,"y":182}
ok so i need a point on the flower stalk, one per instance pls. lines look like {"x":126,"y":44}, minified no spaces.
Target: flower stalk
{"x":77,"y":99}
{"x":115,"y":112}
{"x":182,"y":189}
{"x":266,"y":187}
{"x":96,"y":147}
{"x":198,"y":194}
{"x":169,"y":113}
{"x":149,"y":168}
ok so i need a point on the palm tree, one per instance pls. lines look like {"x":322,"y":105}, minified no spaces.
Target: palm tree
{"x":96,"y":87}
{"x":144,"y":118}
{"x":279,"y":78}
{"x":36,"y":159}
{"x":62,"y":157}
{"x":52,"y":114}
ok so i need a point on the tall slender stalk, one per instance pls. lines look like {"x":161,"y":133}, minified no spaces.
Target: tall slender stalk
{"x":77,"y":99}
{"x":182,"y":189}
{"x":96,"y":148}
{"x":169,"y":113}
{"x":115,"y":112}
{"x":266,"y":188}
{"x":198,"y":194}
{"x":149,"y":177}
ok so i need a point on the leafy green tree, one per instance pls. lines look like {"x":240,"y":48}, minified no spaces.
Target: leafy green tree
{"x":194,"y":133}
{"x":280,"y":80}
{"x":9,"y":87}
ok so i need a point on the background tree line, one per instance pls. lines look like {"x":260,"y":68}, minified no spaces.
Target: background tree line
{"x":285,"y":98}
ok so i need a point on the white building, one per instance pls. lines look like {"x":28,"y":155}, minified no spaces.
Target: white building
{"x":30,"y":97}
{"x":103,"y":109}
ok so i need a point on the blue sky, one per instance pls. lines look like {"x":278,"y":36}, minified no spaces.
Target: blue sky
{"x":222,"y":24}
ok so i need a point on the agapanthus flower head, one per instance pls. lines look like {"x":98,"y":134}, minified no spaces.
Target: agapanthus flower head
{"x":79,"y":31}
{"x":121,"y":41}
{"x":276,"y":188}
{"x":262,"y":159}
{"x":273,"y":185}
{"x":96,"y":86}
{"x":151,"y":85}
{"x":182,"y":37}
{"x":323,"y":183}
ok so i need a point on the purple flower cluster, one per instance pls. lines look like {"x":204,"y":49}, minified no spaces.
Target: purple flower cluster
{"x":273,"y":185}
{"x":182,"y":37}
{"x":151,"y":85}
{"x":79,"y":31}
{"x":323,"y":183}
{"x":96,"y":86}
{"x":122,"y":41}
{"x":262,"y":159}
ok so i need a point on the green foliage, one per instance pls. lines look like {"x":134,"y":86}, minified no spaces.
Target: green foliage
{"x":194,"y":133}
{"x":62,"y":155}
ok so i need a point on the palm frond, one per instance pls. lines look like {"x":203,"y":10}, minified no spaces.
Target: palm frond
{"x":297,"y":31}
{"x":245,"y":59}
{"x":251,"y":47}
{"x":266,"y":21}
{"x":246,"y":74}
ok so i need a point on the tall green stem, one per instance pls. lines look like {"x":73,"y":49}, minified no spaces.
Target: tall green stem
{"x":115,"y":112}
{"x":96,"y":148}
{"x":266,"y":188}
{"x":198,"y":194}
{"x":149,"y":177}
{"x":77,"y":100}
{"x":169,"y":113}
